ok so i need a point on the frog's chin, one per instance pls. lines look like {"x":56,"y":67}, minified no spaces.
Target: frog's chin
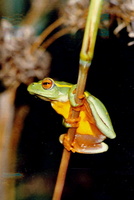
{"x":43,"y":98}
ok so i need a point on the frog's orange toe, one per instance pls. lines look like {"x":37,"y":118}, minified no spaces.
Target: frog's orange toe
{"x":64,"y":139}
{"x":61,"y":138}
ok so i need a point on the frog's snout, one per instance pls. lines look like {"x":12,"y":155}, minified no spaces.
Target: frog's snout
{"x":30,"y":87}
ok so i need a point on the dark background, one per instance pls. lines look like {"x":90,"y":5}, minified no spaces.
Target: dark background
{"x":103,"y":176}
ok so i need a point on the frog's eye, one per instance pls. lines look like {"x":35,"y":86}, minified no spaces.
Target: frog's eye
{"x":47,"y":83}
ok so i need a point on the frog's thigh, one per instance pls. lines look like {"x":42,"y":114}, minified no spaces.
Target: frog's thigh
{"x":88,"y":144}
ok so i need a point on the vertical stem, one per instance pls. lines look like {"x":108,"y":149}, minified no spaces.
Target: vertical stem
{"x":91,"y":30}
{"x":20,"y":115}
{"x":61,"y":175}
{"x":86,"y":55}
{"x":10,"y":128}
{"x":6,"y":122}
{"x":82,"y":77}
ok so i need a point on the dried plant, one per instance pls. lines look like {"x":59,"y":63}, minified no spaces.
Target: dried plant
{"x":74,"y":13}
{"x":18,"y":64}
{"x":72,"y":17}
{"x":123,"y":12}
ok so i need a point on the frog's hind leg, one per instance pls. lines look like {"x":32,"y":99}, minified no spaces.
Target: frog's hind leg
{"x":85,"y":144}
{"x":93,"y":149}
{"x":89,"y":144}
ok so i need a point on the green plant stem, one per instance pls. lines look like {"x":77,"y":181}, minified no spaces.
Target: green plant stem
{"x":86,"y":56}
{"x":91,"y":29}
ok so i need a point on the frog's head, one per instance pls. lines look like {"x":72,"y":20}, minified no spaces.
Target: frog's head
{"x":49,"y":90}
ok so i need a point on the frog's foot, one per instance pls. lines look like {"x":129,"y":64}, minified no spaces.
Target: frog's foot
{"x":92,"y":149}
{"x":71,"y":122}
{"x":89,"y":144}
{"x":64,"y":139}
{"x":84,"y":147}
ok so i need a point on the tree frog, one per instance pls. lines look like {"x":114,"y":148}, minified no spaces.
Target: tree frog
{"x":93,"y":124}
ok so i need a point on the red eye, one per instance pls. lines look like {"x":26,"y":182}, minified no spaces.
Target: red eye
{"x":47,"y":83}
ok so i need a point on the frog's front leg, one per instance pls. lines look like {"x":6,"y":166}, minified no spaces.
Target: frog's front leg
{"x":85,"y":144}
{"x":72,"y":96}
{"x":70,"y":122}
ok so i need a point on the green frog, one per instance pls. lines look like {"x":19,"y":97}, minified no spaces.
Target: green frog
{"x":93,"y":125}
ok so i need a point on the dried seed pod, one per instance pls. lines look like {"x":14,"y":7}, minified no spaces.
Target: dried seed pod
{"x":74,"y":13}
{"x":18,"y":64}
{"x":123,"y":11}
